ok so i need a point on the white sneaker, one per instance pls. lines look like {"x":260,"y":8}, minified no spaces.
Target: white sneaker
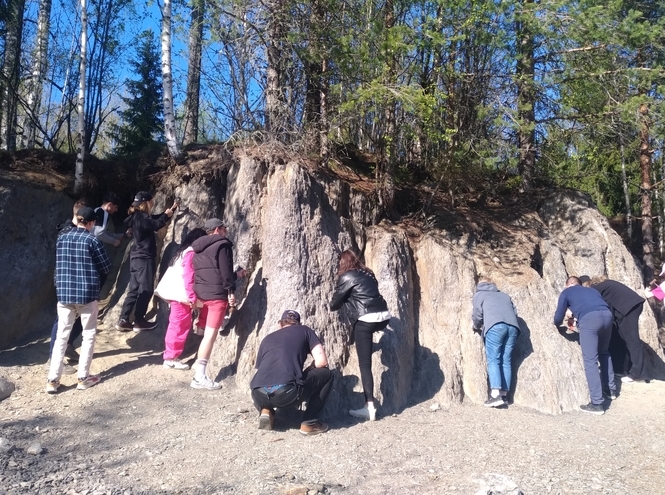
{"x":365,"y":413}
{"x":175,"y":364}
{"x":205,"y":384}
{"x":87,"y":382}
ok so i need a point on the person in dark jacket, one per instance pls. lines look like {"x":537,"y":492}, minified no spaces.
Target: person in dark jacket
{"x":626,"y":306}
{"x":358,"y":290}
{"x":594,"y":321}
{"x":495,"y":313}
{"x":142,"y":264}
{"x":214,"y":285}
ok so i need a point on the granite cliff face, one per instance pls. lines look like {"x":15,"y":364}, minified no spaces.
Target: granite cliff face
{"x":289,"y":225}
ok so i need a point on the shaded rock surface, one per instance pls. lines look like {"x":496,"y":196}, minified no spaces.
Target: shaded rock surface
{"x":6,"y":388}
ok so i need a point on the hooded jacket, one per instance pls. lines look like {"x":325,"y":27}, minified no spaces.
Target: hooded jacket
{"x":214,"y":278}
{"x":143,"y":228}
{"x":359,"y":290}
{"x":491,"y":306}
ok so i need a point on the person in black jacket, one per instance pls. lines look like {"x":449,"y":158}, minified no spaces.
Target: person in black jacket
{"x":626,"y":306}
{"x":142,"y":264}
{"x":214,"y":285}
{"x":358,"y":290}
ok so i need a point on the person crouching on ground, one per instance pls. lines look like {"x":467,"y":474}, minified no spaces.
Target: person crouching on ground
{"x":594,"y":321}
{"x":80,"y":259}
{"x":358,"y":289}
{"x":280,"y":380}
{"x":177,"y":288}
{"x":495,"y":313}
{"x":142,"y":264}
{"x":214,"y":285}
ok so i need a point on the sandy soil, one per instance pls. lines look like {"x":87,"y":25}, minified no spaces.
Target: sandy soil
{"x":143,"y":430}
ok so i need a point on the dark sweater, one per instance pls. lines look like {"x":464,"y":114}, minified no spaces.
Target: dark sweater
{"x":143,"y":228}
{"x":622,"y":299}
{"x":581,"y":301}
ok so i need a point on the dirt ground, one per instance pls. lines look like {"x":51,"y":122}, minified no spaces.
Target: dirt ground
{"x":143,"y":430}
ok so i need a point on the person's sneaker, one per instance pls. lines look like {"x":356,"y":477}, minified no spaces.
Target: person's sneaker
{"x":266,"y":419}
{"x":313,"y":429}
{"x":366,"y":413}
{"x":205,"y":384}
{"x":592,"y":408}
{"x":89,"y":381}
{"x":144,"y":326}
{"x":610,"y":394}
{"x":124,"y":326}
{"x":71,"y":354}
{"x":175,"y":364}
{"x":52,"y":387}
{"x":494,"y":402}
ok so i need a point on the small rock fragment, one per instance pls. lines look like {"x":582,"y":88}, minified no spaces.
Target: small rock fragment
{"x":35,"y":448}
{"x":5,"y":445}
{"x":434,"y":407}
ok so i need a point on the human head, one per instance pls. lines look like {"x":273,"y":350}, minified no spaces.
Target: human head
{"x":85,"y":217}
{"x":187,"y":241}
{"x":573,"y":281}
{"x":349,"y":260}
{"x":111,"y":202}
{"x":77,"y":206}
{"x":214,"y":226}
{"x":142,"y":202}
{"x":289,"y":317}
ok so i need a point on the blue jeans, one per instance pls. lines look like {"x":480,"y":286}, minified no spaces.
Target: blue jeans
{"x":499,"y":344}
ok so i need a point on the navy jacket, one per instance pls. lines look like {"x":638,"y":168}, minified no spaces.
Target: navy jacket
{"x":581,"y":300}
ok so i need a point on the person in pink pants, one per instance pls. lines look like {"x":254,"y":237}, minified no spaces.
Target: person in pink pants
{"x":177,"y":288}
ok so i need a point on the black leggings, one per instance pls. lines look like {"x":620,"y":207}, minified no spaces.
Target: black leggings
{"x":363,"y":334}
{"x":141,"y":288}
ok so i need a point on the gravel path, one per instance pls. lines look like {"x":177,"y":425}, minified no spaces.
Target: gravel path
{"x":143,"y":430}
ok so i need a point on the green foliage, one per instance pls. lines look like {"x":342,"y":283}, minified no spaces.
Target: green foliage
{"x":142,"y":120}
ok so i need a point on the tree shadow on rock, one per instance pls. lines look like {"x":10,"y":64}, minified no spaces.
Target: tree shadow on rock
{"x":523,"y":349}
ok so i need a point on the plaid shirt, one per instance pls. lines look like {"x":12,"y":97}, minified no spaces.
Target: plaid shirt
{"x":79,"y":259}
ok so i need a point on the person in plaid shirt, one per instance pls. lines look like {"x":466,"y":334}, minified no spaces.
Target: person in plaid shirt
{"x":80,"y":259}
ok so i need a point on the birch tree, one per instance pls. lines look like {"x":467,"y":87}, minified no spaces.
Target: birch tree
{"x":11,"y":73}
{"x":167,"y":84}
{"x":80,"y":155}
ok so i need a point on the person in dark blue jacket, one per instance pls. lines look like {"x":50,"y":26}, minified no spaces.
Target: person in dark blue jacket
{"x":594,"y":321}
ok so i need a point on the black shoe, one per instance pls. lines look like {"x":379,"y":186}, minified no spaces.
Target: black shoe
{"x":592,"y":408}
{"x":494,"y":402}
{"x":610,"y":394}
{"x":124,"y":326}
{"x":144,"y":326}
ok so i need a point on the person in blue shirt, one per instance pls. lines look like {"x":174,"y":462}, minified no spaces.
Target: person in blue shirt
{"x":594,"y":322}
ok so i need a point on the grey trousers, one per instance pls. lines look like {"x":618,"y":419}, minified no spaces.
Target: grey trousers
{"x":595,"y":333}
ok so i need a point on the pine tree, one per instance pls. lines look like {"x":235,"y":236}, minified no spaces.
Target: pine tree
{"x":143,"y":123}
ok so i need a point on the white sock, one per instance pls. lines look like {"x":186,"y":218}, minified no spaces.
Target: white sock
{"x":200,"y":369}
{"x":495,"y":393}
{"x":370,"y":405}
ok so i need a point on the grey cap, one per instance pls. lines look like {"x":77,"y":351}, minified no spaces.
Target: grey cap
{"x":212,"y":224}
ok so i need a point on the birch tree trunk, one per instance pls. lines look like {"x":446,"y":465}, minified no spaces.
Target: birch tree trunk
{"x":10,"y":73}
{"x":80,"y":155}
{"x":274,"y":72}
{"x":167,"y":83}
{"x":194,"y":73}
{"x":39,"y":67}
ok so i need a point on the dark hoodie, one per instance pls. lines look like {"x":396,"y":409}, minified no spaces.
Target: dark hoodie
{"x":214,"y":277}
{"x":491,"y":306}
{"x":143,"y":228}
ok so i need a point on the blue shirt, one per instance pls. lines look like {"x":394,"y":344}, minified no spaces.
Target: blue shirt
{"x":581,"y":300}
{"x":79,"y":259}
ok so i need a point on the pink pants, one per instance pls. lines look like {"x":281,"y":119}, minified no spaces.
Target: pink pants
{"x":180,"y":322}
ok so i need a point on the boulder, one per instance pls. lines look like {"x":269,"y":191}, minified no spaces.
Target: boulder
{"x":6,"y":388}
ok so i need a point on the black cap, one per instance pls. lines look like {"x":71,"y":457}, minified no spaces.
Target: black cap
{"x":87,"y":213}
{"x":289,"y":314}
{"x":212,"y":224}
{"x":141,"y":197}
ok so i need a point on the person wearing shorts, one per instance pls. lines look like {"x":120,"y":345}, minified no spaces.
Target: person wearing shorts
{"x":214,"y":285}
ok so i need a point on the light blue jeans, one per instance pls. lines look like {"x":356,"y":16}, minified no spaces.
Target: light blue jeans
{"x":499,"y":344}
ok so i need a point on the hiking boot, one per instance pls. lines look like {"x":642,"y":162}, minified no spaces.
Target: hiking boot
{"x":592,"y":408}
{"x":71,"y":354}
{"x":366,"y":413}
{"x":495,"y":402}
{"x":144,"y":326}
{"x":124,"y":325}
{"x":205,"y":384}
{"x":87,"y":382}
{"x":266,"y":419}
{"x":52,"y":387}
{"x":313,"y":429}
{"x":175,"y":364}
